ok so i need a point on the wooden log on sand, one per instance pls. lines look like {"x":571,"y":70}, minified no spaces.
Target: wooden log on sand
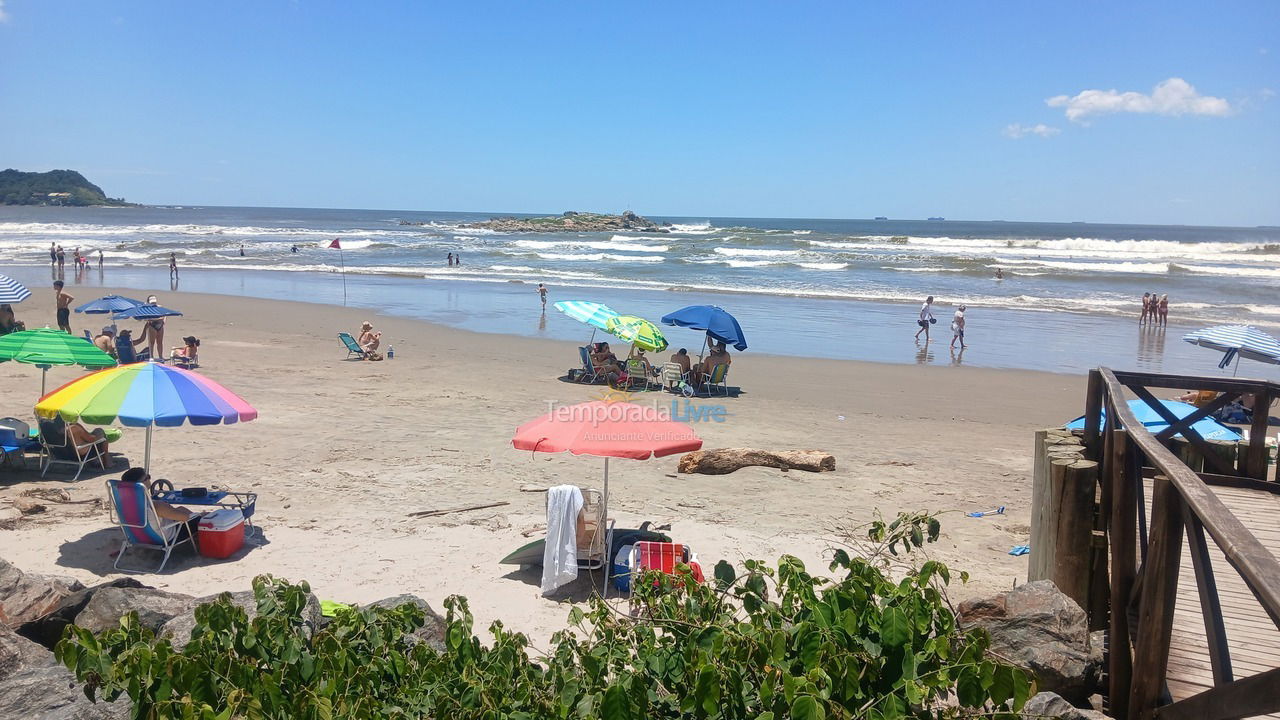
{"x":727,"y":460}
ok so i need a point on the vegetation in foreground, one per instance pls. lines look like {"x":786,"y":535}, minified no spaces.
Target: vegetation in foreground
{"x":766,"y":643}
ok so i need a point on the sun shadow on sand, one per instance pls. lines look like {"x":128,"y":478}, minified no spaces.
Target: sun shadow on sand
{"x":96,"y":552}
{"x":578,"y":591}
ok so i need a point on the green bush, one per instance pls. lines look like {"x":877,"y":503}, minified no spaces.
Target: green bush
{"x":767,"y":643}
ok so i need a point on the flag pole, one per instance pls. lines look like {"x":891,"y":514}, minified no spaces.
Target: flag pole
{"x":336,"y":244}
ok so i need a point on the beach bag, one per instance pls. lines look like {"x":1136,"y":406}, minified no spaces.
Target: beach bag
{"x":373,"y":355}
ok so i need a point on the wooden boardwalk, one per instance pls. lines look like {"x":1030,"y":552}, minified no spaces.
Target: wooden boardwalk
{"x":1251,"y":634}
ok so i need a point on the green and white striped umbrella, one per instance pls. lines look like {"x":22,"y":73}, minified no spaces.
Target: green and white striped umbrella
{"x":44,"y":347}
{"x":638,"y":332}
{"x":596,"y":315}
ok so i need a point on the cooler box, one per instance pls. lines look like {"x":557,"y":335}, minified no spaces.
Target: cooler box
{"x":221,"y":533}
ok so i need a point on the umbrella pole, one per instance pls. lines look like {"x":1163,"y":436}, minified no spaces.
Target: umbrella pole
{"x":147,"y":457}
{"x":44,"y":373}
{"x":608,"y":561}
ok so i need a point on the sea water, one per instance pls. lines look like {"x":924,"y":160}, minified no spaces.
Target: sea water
{"x":1069,"y":296}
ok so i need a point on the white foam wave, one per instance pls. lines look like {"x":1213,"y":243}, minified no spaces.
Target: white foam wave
{"x":749,"y":263}
{"x":754,"y":252}
{"x":596,"y":257}
{"x":801,"y":232}
{"x":693,"y":228}
{"x":823,"y":266}
{"x":921,"y":269}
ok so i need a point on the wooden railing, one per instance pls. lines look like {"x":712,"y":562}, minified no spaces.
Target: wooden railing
{"x":1144,"y":552}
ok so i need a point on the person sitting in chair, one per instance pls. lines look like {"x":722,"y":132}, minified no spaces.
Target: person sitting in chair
{"x":76,"y":437}
{"x":164,"y":509}
{"x":681,"y":358}
{"x":106,"y":341}
{"x":719,"y":356}
{"x":188,"y":354}
{"x":604,"y":359}
{"x":9,"y":323}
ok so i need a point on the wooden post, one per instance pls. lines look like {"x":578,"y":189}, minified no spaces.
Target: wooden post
{"x":1037,"y":565}
{"x":1254,"y":462}
{"x":1159,"y":595}
{"x":1210,"y":604}
{"x":1124,"y":540}
{"x":1093,"y":414}
{"x":1073,"y":484}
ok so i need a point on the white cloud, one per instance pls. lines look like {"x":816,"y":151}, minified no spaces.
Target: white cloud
{"x":1174,"y":96}
{"x":1018,"y":131}
{"x":3,"y":16}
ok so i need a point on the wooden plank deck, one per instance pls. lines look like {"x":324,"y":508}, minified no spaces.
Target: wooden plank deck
{"x":1251,"y":635}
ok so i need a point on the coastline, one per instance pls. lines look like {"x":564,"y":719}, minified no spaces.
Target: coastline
{"x":1033,"y":339}
{"x":432,"y":428}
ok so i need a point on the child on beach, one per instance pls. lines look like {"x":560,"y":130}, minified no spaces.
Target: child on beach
{"x":64,"y":307}
{"x":926,"y":318}
{"x":957,"y":328}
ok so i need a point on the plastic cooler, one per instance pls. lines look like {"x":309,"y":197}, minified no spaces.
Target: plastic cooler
{"x":221,"y":533}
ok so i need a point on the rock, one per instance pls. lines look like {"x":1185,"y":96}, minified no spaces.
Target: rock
{"x":47,"y":630}
{"x":27,"y":596}
{"x":1039,"y":628}
{"x":1047,"y":705}
{"x":154,"y":607}
{"x":27,"y":506}
{"x":432,"y":631}
{"x":569,"y":221}
{"x":33,"y":685}
{"x":180,"y":626}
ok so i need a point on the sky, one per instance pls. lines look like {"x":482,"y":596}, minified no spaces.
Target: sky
{"x":1162,"y":112}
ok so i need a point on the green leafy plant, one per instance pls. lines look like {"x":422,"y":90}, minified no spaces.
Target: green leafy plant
{"x":761,"y":642}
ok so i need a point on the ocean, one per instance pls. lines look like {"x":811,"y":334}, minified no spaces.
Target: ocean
{"x":830,"y":288}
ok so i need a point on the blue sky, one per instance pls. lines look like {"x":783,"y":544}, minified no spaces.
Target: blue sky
{"x":703,"y":109}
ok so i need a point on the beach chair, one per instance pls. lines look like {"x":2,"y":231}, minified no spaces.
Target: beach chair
{"x":638,"y":372}
{"x":662,"y":557}
{"x":594,"y":531}
{"x":133,"y":511}
{"x":353,"y":347}
{"x":718,"y":376}
{"x":675,"y":380}
{"x":56,"y":448}
{"x":88,"y":335}
{"x":127,"y":355}
{"x":589,"y":371}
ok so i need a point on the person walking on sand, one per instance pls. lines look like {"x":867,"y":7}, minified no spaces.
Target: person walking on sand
{"x":1163,"y":309}
{"x":957,"y":328}
{"x":926,"y":318}
{"x":542,"y":292}
{"x":1146,"y":307}
{"x":64,"y":301}
{"x":173,"y":265}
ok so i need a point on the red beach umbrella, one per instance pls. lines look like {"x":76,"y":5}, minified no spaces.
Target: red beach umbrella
{"x":607,"y":429}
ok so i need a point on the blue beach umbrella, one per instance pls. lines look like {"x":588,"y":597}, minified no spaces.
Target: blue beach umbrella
{"x":1208,"y":428}
{"x":109,"y":304}
{"x":12,"y":291}
{"x":717,"y":323}
{"x":1237,"y":341}
{"x":147,"y":312}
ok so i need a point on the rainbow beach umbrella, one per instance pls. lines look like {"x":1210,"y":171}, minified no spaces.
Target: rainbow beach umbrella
{"x":146,"y":395}
{"x":637,"y":331}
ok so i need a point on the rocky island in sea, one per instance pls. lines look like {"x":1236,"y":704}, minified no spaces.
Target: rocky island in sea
{"x":569,"y":221}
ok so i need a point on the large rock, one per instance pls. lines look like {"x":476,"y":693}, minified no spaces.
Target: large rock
{"x":47,"y":630}
{"x":1051,"y":706}
{"x":27,"y":596}
{"x":1039,"y":628}
{"x":179,"y":628}
{"x":33,"y":686}
{"x":154,"y":607}
{"x":432,"y":631}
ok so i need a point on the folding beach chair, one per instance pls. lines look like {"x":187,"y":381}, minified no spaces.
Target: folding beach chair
{"x":594,"y":531}
{"x":589,"y":372}
{"x":674,"y":379}
{"x":708,"y":382}
{"x":134,"y":512}
{"x":662,"y":557}
{"x":353,"y":347}
{"x":56,"y":448}
{"x":638,"y":371}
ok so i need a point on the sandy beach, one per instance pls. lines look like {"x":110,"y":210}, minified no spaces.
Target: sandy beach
{"x":344,"y":450}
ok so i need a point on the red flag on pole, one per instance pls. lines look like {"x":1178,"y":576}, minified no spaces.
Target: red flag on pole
{"x":335,"y":244}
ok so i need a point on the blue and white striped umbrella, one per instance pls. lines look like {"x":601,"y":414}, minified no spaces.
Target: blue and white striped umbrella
{"x":12,"y":291}
{"x":1237,"y":341}
{"x":146,"y":312}
{"x":594,"y":314}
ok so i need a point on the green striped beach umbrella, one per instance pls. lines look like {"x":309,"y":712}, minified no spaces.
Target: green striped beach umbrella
{"x":638,"y":332}
{"x":45,"y":347}
{"x":595,"y":314}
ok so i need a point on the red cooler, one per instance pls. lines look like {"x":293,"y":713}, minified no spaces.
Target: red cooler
{"x":221,"y":533}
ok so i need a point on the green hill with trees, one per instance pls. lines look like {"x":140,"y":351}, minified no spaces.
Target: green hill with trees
{"x":56,"y":187}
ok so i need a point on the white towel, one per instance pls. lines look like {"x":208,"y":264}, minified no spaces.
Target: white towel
{"x":560,"y":555}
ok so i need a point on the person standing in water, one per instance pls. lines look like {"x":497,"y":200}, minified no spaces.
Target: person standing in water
{"x":99,"y":258}
{"x":449,"y":260}
{"x":542,"y":292}
{"x":926,"y":318}
{"x":957,"y":328}
{"x":999,"y":274}
{"x":173,"y":265}
{"x":1146,"y":307}
{"x":53,"y":254}
{"x":62,"y":258}
{"x":1163,"y":308}
{"x":242,"y":250}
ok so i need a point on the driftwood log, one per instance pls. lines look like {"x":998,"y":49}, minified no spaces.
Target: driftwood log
{"x":726,"y":460}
